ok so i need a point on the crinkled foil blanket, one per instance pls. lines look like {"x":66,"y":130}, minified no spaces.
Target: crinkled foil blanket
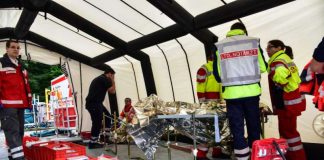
{"x":146,"y":129}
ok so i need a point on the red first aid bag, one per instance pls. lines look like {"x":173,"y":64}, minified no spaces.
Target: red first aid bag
{"x":269,"y":149}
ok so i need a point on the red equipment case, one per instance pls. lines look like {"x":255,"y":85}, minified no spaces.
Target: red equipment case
{"x":267,"y":149}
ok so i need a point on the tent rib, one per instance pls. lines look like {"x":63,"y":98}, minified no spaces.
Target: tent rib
{"x":74,"y":31}
{"x":225,"y":3}
{"x":211,"y":18}
{"x":106,"y":13}
{"x":169,"y":72}
{"x":138,"y":97}
{"x":141,"y":13}
{"x":52,"y":46}
{"x":86,"y":26}
{"x":189,"y":71}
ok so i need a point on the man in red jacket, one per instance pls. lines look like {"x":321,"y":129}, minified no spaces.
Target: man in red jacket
{"x":15,"y":96}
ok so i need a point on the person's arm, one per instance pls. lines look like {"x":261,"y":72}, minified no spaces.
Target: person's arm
{"x":201,"y":83}
{"x":279,"y":75}
{"x":0,"y":83}
{"x":112,"y":89}
{"x":28,"y":90}
{"x":263,"y":64}
{"x":216,"y":67}
{"x":317,"y":66}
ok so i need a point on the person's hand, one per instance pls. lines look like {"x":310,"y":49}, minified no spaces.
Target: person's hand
{"x":111,"y":77}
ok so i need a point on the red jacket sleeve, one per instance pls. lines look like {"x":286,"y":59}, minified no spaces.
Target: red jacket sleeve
{"x":1,"y":75}
{"x":28,"y":90}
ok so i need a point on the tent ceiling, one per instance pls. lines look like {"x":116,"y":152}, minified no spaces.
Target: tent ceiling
{"x":78,"y":28}
{"x":9,"y":17}
{"x":119,"y":18}
{"x":80,"y":42}
{"x":199,"y":7}
{"x":140,"y":24}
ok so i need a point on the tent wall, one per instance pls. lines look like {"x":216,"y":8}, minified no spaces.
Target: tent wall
{"x":179,"y":72}
{"x":129,"y":80}
{"x":82,"y":75}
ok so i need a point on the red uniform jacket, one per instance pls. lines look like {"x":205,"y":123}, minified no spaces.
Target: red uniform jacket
{"x":14,"y":86}
{"x":129,"y":112}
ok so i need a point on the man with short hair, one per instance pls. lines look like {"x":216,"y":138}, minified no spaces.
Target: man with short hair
{"x":240,"y":63}
{"x":15,"y":96}
{"x":128,"y":112}
{"x":94,"y":103}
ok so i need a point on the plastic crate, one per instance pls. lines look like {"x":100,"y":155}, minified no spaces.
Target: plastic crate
{"x":38,"y":149}
{"x":63,"y":150}
{"x":28,"y":152}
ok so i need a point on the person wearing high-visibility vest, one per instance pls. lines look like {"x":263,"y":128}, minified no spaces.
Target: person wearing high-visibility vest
{"x":239,"y":64}
{"x":208,"y":89}
{"x":287,"y":102}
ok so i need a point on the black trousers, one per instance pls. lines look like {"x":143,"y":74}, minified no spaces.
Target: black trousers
{"x":12,"y":123}
{"x":237,"y":111}
{"x":96,"y":112}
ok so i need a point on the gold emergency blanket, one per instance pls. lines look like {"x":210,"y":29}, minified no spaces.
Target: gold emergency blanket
{"x":146,"y":129}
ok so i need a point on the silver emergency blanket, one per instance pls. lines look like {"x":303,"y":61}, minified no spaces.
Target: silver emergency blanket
{"x":147,"y":131}
{"x":148,"y":137}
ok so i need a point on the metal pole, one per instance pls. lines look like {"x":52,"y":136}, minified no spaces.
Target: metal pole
{"x":175,"y":137}
{"x":168,"y":143}
{"x":194,"y":135}
{"x":115,"y":133}
{"x":262,"y":125}
{"x":47,"y":92}
{"x":128,"y":144}
{"x":103,"y":129}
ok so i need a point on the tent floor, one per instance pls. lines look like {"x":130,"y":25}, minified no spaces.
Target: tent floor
{"x":313,"y":151}
{"x":136,"y":153}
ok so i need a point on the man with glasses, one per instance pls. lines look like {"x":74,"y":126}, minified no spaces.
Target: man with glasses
{"x":15,"y":96}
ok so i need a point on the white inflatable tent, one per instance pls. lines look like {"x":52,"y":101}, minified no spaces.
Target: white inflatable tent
{"x":174,"y":34}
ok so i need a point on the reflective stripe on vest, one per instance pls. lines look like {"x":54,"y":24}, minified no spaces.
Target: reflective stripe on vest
{"x":17,"y":155}
{"x":242,"y":154}
{"x":321,"y":92}
{"x":294,"y":140}
{"x":6,"y":69}
{"x":294,"y":101}
{"x":242,"y":151}
{"x":278,"y":65}
{"x":309,"y":75}
{"x":12,"y":101}
{"x":239,"y":60}
{"x":202,"y":78}
{"x":296,"y":148}
{"x":16,"y":149}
